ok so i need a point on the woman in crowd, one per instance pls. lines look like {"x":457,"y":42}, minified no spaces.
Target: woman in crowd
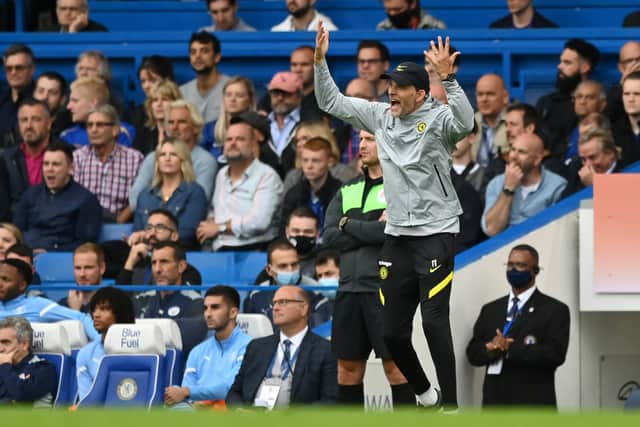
{"x":149,"y":136}
{"x":304,"y":132}
{"x":239,"y":96}
{"x":152,"y":70}
{"x":9,"y":236}
{"x":174,"y":188}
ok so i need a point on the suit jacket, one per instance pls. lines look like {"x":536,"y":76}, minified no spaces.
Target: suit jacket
{"x":315,"y":377}
{"x":574,"y":184}
{"x":541,"y":338}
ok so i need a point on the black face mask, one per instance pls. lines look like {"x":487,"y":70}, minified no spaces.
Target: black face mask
{"x":303,"y":244}
{"x":568,"y":84}
{"x":402,"y":19}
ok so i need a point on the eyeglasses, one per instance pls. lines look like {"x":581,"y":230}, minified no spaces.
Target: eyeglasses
{"x":99,"y":125}
{"x":285,"y":302}
{"x":158,"y":227}
{"x":16,"y":68}
{"x":369,"y":61}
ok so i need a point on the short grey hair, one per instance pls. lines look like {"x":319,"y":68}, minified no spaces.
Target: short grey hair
{"x":24,"y":331}
{"x":196,"y":117}
{"x":107,"y":110}
{"x":104,"y":69}
{"x":84,"y":4}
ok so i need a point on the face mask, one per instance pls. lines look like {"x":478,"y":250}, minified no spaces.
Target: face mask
{"x":287,"y":277}
{"x":519,"y":279}
{"x":402,"y":19}
{"x":329,"y":281}
{"x":303,"y":244}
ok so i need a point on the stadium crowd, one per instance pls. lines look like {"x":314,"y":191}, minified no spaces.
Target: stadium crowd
{"x":209,"y":166}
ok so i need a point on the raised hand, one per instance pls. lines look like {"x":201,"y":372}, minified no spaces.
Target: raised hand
{"x":439,"y":58}
{"x":322,"y":43}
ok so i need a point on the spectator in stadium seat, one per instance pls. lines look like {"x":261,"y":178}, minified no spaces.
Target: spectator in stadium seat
{"x":106,"y":168}
{"x":632,"y":19}
{"x":51,"y":88}
{"x":23,"y":162}
{"x":153,"y":131}
{"x":318,"y":186}
{"x":597,"y":154}
{"x":626,"y":130}
{"x":243,"y":214}
{"x":628,"y":62}
{"x":492,"y":98}
{"x":224,"y":16}
{"x":303,"y":16}
{"x":182,"y":121}
{"x":238,"y":96}
{"x":168,"y":264}
{"x":94,"y":63}
{"x":327,"y":271}
{"x":300,"y":63}
{"x":520,"y":338}
{"x":15,"y":276}
{"x":308,"y":375}
{"x":24,"y":377}
{"x":19,"y":67}
{"x":577,"y":61}
{"x":589,"y":97}
{"x":153,"y":69}
{"x":212,"y":365}
{"x":522,"y":14}
{"x":73,"y":17}
{"x":205,"y":91}
{"x":316,"y":129}
{"x":59,"y":214}
{"x":283,"y":268}
{"x":373,"y":61}
{"x":468,"y":180}
{"x":9,"y":236}
{"x":25,"y":253}
{"x":88,"y":268}
{"x":161,"y":226}
{"x":407,"y":15}
{"x":88,"y":93}
{"x":107,"y":306}
{"x":525,"y":188}
{"x":174,"y":189}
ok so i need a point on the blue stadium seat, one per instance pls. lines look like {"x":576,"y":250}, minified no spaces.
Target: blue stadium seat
{"x":114,"y":232}
{"x":77,"y":339}
{"x":214,"y":267}
{"x":51,"y":343}
{"x":174,"y":367}
{"x":132,"y":372}
{"x":248,"y":265}
{"x":55,"y":266}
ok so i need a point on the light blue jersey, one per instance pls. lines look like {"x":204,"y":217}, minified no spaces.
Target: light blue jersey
{"x":87,"y":363}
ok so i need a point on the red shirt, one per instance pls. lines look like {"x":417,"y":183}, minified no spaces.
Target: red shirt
{"x":34,"y":165}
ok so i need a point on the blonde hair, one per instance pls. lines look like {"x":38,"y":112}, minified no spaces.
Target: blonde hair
{"x":15,"y":231}
{"x":165,"y":89}
{"x":196,"y":118}
{"x":319,"y":129}
{"x":92,"y":87}
{"x":184,"y":153}
{"x":91,"y":248}
{"x":606,"y":139}
{"x":223,"y":118}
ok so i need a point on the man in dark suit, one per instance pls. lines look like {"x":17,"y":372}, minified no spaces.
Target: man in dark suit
{"x":521,"y":338}
{"x":294,"y":366}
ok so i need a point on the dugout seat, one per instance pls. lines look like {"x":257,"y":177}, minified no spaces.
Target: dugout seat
{"x":50,"y":342}
{"x":131,"y":374}
{"x":255,"y":325}
{"x":173,"y":342}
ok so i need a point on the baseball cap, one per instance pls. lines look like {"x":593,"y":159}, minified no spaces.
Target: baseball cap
{"x":286,"y":81}
{"x":409,"y":74}
{"x":255,"y":120}
{"x":23,"y":268}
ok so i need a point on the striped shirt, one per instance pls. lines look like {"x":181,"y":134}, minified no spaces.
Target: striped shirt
{"x":110,"y":180}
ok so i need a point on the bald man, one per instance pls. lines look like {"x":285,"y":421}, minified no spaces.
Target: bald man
{"x":492,"y":97}
{"x":628,"y":61}
{"x":524,"y":189}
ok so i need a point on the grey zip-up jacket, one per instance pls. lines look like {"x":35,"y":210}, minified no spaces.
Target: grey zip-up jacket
{"x":414,"y":151}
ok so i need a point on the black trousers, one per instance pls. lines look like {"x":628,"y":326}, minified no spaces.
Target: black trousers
{"x":419,"y":270}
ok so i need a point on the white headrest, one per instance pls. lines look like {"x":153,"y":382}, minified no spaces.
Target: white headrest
{"x":134,"y":339}
{"x":75,"y":332}
{"x":255,"y":325}
{"x":170,"y":331}
{"x":50,"y":338}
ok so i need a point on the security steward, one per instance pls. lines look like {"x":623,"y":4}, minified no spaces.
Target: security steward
{"x":355,"y":223}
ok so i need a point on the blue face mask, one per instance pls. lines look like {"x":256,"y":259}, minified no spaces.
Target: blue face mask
{"x":287,"y":277}
{"x":519,"y":279}
{"x":329,"y":281}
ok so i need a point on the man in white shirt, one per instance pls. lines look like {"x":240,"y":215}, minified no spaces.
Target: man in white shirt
{"x":303,"y":17}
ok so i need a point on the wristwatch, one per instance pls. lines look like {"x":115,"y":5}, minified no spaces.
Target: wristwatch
{"x":508,"y":191}
{"x":343,"y":221}
{"x":450,"y":77}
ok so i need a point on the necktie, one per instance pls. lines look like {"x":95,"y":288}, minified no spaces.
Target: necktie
{"x":511,"y":316}
{"x":285,"y":366}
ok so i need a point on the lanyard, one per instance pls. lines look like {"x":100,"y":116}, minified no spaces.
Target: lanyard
{"x":290,"y":363}
{"x":510,"y":320}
